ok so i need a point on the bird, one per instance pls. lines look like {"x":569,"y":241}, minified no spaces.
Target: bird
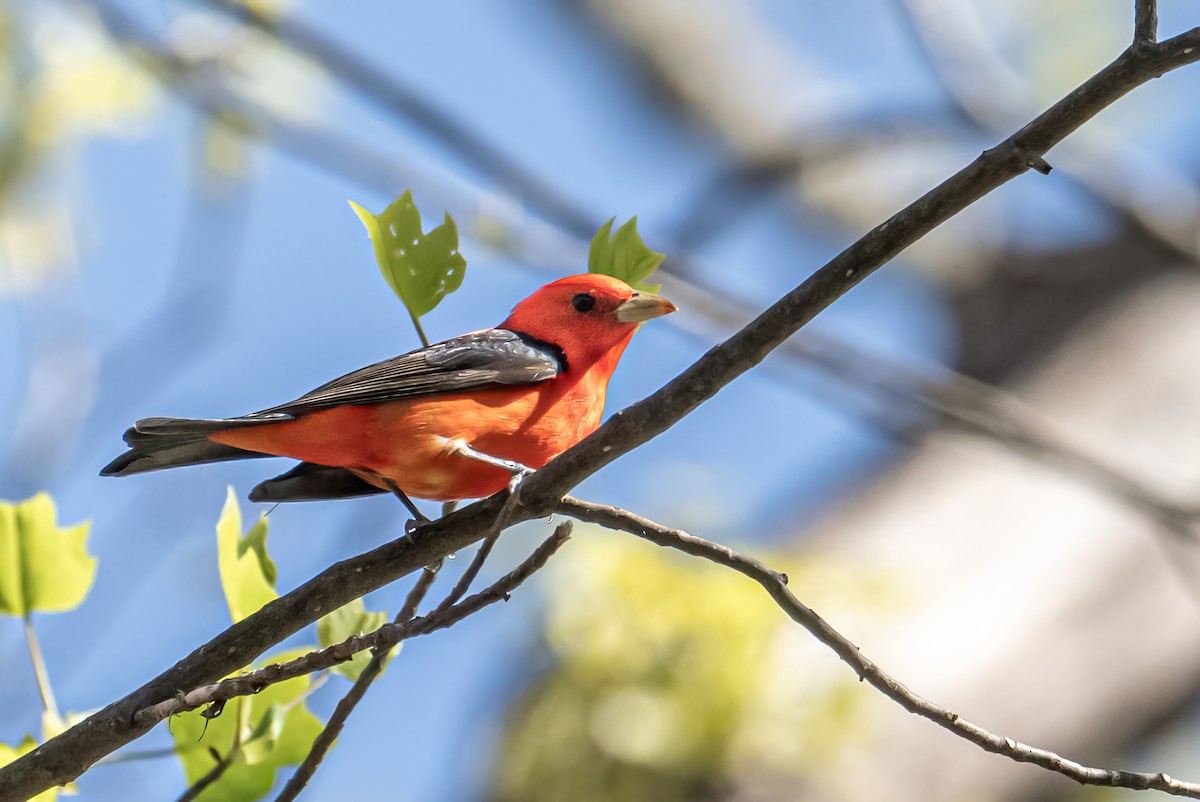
{"x":450,"y":421}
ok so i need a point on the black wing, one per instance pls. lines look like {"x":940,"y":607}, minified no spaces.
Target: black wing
{"x":481,"y":359}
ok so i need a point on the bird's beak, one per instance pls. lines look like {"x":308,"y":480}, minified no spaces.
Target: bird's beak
{"x":644,"y":306}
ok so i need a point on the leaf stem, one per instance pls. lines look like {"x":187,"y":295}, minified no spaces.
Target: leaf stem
{"x":420,"y":331}
{"x":39,"y":668}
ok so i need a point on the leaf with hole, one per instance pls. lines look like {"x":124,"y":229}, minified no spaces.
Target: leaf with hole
{"x":421,"y":267}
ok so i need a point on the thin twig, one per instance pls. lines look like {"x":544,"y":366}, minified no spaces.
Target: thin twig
{"x":345,"y":706}
{"x":464,"y":582}
{"x":953,"y":398}
{"x":65,"y":757}
{"x":385,"y":637}
{"x":201,"y":784}
{"x":223,"y":763}
{"x":775,"y":584}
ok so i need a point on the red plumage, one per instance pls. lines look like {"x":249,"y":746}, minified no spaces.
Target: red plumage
{"x":525,"y":392}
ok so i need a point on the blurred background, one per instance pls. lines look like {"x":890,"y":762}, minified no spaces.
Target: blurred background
{"x":981,"y":465}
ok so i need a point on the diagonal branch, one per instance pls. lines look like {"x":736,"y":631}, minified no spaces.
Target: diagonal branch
{"x":345,"y":706}
{"x":381,"y":640}
{"x":66,"y":756}
{"x":775,"y":584}
{"x":951,"y":398}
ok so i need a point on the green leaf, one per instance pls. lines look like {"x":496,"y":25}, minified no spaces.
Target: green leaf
{"x":263,"y":739}
{"x":10,"y":753}
{"x":42,"y":567}
{"x":421,"y":268}
{"x":346,"y":621}
{"x":264,"y":732}
{"x":247,"y":571}
{"x":623,"y":255}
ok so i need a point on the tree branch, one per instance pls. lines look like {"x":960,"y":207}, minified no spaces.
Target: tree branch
{"x":345,"y":706}
{"x":468,"y":576}
{"x":380,"y":640}
{"x":214,"y":774}
{"x":974,"y":407}
{"x":1145,"y":22}
{"x":775,"y":584}
{"x":66,"y":756}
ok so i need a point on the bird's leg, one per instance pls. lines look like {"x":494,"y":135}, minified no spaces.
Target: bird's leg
{"x":461,"y":448}
{"x":420,"y":518}
{"x":518,"y":471}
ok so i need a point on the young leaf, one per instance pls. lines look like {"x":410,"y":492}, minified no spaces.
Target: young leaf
{"x":422,"y":268}
{"x":263,"y":732}
{"x":247,"y":571}
{"x":623,"y":255}
{"x":346,"y":621}
{"x":42,"y":567}
{"x":265,"y":735}
{"x":10,"y":753}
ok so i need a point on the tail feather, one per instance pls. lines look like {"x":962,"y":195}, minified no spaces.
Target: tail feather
{"x":157,"y":443}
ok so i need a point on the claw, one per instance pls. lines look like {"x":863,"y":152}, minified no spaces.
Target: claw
{"x":518,"y":476}
{"x":410,"y":529}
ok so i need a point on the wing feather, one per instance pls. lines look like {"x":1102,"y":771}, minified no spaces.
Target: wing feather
{"x":495,"y":357}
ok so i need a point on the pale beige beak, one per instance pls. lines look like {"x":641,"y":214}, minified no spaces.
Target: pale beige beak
{"x":644,"y":306}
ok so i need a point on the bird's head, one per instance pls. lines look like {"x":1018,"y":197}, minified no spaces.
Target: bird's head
{"x":591,"y":317}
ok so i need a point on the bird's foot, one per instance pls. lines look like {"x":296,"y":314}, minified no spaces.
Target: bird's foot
{"x":419,"y":518}
{"x":463,"y":449}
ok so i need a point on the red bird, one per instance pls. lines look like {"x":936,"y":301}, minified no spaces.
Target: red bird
{"x":444,"y":422}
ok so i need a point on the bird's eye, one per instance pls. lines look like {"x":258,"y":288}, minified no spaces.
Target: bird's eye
{"x":583,"y":302}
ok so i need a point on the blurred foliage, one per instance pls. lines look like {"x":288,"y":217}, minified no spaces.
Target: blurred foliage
{"x":623,"y":255}
{"x":247,"y":571}
{"x":60,"y":82}
{"x":346,"y":622}
{"x":665,"y":680}
{"x":421,"y":268}
{"x":257,"y":734}
{"x":42,"y":567}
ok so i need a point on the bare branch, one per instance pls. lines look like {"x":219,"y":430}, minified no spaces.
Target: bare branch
{"x":214,"y":774}
{"x":381,"y":639}
{"x":1145,"y":22}
{"x":464,"y":582}
{"x":974,"y":407}
{"x":66,"y":756}
{"x":345,"y":706}
{"x":775,"y":584}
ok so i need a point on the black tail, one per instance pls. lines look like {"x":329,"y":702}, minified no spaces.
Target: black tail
{"x":309,"y":482}
{"x":157,"y":443}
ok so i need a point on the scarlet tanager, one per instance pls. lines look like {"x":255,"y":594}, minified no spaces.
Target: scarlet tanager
{"x":436,"y":423}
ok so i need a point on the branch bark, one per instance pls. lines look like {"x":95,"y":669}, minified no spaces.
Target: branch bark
{"x":775,"y":584}
{"x":68,"y":755}
{"x":953,"y":398}
{"x":380,"y":641}
{"x":345,"y":706}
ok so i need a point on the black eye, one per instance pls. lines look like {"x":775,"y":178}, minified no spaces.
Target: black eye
{"x":583,"y":302}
